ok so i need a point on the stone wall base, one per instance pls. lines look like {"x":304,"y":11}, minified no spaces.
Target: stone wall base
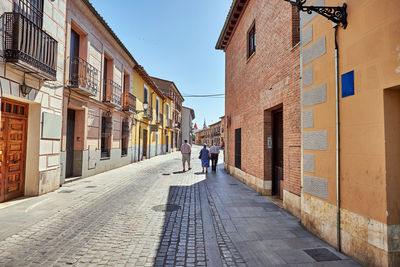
{"x":292,"y":203}
{"x":370,"y":242}
{"x":261,"y":186}
{"x":49,"y":180}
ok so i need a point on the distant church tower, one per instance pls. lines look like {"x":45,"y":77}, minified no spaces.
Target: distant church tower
{"x":204,"y":125}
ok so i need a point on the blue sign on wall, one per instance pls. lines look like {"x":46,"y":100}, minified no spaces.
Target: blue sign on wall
{"x":348,"y":84}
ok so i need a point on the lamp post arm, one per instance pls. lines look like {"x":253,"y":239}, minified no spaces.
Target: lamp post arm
{"x":337,"y":14}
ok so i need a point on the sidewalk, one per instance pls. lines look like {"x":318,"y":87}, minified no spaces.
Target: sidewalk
{"x":263,"y":233}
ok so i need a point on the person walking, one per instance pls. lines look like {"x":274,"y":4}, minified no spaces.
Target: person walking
{"x":205,"y":158}
{"x":214,"y":152}
{"x":186,"y":150}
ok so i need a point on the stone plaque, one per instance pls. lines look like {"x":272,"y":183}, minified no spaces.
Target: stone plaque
{"x":51,"y":128}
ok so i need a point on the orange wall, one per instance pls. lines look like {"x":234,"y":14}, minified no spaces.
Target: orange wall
{"x":371,"y":47}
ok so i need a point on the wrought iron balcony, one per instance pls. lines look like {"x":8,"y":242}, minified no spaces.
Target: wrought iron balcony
{"x":177,"y":125}
{"x":28,"y":47}
{"x":148,"y":114}
{"x":129,"y":102}
{"x":112,"y":94}
{"x":83,"y":77}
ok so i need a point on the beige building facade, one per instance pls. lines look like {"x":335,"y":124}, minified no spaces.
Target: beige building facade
{"x":98,"y":100}
{"x":31,"y":82}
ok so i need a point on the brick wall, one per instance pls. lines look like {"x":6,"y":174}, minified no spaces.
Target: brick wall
{"x":268,"y":79}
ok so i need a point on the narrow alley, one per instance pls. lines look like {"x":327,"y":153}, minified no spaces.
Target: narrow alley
{"x":152,"y":214}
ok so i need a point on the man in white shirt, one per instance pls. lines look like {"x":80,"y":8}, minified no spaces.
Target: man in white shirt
{"x":186,"y":150}
{"x":214,"y":152}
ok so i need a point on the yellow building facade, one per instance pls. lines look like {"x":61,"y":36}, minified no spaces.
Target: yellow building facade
{"x":351,"y":173}
{"x":150,"y":136}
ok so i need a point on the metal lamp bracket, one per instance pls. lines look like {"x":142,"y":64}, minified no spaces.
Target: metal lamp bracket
{"x":337,"y":14}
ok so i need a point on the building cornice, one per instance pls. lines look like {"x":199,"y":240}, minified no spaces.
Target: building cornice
{"x":173,"y":84}
{"x":232,"y":20}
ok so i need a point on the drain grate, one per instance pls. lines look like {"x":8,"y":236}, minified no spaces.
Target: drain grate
{"x":91,"y":186}
{"x":166,"y":208}
{"x":66,"y":191}
{"x":322,"y":254}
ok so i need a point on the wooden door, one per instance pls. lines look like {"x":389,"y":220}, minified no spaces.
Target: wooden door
{"x":69,"y":166}
{"x":13,"y":134}
{"x":277,"y":153}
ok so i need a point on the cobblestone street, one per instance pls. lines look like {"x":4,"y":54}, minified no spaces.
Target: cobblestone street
{"x":151,"y":214}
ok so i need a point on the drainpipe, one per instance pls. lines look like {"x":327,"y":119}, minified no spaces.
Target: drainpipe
{"x":227,"y":143}
{"x":337,"y":142}
{"x":301,"y":120}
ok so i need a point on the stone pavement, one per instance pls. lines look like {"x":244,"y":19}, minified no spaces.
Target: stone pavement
{"x":151,"y":214}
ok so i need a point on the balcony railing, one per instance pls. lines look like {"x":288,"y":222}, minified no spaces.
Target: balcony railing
{"x":148,"y":114}
{"x":31,"y":9}
{"x":28,"y":47}
{"x":129,"y":102}
{"x":83,"y":77}
{"x":177,"y":125}
{"x":112,"y":94}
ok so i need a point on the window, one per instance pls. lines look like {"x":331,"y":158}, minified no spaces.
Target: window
{"x":251,"y":41}
{"x":167,"y":111}
{"x":124,"y":138}
{"x":106,"y":127}
{"x":146,"y":95}
{"x":32,"y":9}
{"x":157,"y":108}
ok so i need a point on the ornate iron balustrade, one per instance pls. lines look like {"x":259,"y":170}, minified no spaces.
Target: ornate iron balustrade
{"x":129,"y":102}
{"x":112,"y":94}
{"x":148,"y":114}
{"x":31,"y":9}
{"x":177,"y":125}
{"x":83,"y":76}
{"x":28,"y":47}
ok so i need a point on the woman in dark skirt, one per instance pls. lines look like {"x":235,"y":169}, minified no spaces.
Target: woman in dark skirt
{"x":205,"y":158}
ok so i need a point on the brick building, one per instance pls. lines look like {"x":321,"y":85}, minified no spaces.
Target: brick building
{"x":31,"y":96}
{"x":215,"y":134}
{"x":262,"y":97}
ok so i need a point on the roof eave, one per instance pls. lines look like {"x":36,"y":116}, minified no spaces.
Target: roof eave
{"x":233,"y":18}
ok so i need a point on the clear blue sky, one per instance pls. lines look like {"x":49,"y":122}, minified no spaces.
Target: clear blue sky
{"x":175,"y":40}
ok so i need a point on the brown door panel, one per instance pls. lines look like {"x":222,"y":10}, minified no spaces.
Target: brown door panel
{"x":12,"y":153}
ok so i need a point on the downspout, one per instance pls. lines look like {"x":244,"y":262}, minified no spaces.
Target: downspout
{"x":227,"y":143}
{"x":337,"y":142}
{"x":301,"y":119}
